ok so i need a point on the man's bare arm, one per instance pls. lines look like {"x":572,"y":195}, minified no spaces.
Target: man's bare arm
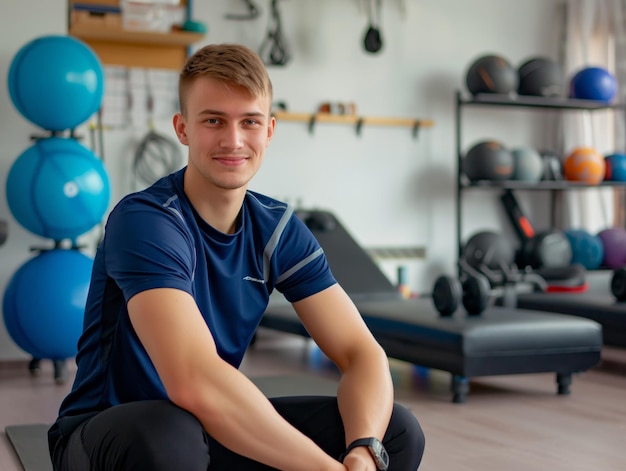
{"x":366,"y":390}
{"x":229,"y":406}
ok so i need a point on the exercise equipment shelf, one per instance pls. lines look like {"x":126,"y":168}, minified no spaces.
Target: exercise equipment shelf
{"x":542,"y":185}
{"x":559,"y":104}
{"x":358,"y":121}
{"x":486,"y":99}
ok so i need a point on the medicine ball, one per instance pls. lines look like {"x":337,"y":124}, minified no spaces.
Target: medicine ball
{"x":491,"y":74}
{"x":528,"y":165}
{"x":540,"y":76}
{"x":488,"y":249}
{"x":584,"y":164}
{"x":614,"y":243}
{"x":615,"y":167}
{"x":547,"y":249}
{"x":488,"y":160}
{"x":594,"y":83}
{"x":587,"y":249}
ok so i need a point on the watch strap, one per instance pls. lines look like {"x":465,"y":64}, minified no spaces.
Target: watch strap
{"x":375,"y":448}
{"x":356,"y":443}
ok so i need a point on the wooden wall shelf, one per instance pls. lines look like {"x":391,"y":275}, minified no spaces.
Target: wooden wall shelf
{"x":115,"y":45}
{"x":358,"y":121}
{"x":119,"y":35}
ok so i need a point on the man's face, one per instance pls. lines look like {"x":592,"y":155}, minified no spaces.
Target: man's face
{"x":227,"y":131}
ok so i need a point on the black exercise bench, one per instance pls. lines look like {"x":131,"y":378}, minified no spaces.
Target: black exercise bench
{"x":501,"y":341}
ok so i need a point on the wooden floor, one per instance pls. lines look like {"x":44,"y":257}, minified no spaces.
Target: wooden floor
{"x":510,"y":423}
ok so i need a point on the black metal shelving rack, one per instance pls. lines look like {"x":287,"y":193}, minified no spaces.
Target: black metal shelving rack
{"x":517,"y":101}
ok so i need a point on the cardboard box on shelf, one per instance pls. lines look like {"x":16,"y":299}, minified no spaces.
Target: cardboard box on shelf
{"x":152,"y":16}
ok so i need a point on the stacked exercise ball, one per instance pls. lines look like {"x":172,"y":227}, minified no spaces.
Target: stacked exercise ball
{"x":488,"y":160}
{"x":538,"y":76}
{"x":615,"y":167}
{"x":493,"y":161}
{"x":584,"y":164}
{"x":57,"y":189}
{"x":528,"y":164}
{"x":44,"y":302}
{"x":587,"y":249}
{"x":614,"y":243}
{"x":593,"y":83}
{"x":56,"y":82}
{"x":491,"y":74}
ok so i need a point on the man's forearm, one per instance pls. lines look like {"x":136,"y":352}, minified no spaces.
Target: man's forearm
{"x":365,"y":396}
{"x":241,"y":418}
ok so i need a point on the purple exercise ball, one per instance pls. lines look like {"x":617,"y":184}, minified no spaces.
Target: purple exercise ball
{"x":614,"y":243}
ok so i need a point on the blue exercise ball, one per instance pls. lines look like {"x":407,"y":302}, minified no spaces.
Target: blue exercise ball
{"x":615,"y":167}
{"x":44,"y":303}
{"x":594,"y":83}
{"x":587,"y":249}
{"x":56,"y":82}
{"x":58,"y":189}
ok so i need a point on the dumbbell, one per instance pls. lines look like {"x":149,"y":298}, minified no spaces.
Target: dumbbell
{"x":618,"y":284}
{"x":474,"y":292}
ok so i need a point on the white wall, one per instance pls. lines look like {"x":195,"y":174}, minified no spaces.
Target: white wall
{"x":388,"y":188}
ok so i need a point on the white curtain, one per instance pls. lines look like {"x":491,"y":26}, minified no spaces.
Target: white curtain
{"x":593,"y":36}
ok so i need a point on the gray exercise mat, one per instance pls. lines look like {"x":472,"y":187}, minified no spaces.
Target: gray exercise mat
{"x":31,"y":441}
{"x":31,"y":445}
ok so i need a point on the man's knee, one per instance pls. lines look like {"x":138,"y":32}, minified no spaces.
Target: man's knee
{"x":404,"y":439}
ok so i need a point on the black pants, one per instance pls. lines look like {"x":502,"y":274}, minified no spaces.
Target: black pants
{"x":157,"y":435}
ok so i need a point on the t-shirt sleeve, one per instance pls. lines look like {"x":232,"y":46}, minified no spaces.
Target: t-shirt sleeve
{"x":301,"y":266}
{"x":147,"y":246}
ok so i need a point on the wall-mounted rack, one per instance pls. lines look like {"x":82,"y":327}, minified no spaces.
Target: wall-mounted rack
{"x":358,"y":121}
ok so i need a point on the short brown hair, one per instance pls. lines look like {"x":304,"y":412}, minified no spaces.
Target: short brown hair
{"x":232,"y":63}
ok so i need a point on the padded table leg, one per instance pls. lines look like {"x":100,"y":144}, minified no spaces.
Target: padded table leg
{"x":460,"y":389}
{"x":563,"y":381}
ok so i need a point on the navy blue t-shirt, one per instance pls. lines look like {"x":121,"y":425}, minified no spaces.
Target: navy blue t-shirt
{"x":155,"y":239}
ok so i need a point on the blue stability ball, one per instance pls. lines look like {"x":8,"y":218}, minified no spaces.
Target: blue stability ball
{"x":587,"y":249}
{"x":58,"y":189}
{"x":44,"y":302}
{"x":615,"y":167}
{"x":56,"y":82}
{"x":593,"y":83}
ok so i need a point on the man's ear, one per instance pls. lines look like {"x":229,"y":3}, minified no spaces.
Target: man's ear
{"x":180,"y":127}
{"x":270,"y":129}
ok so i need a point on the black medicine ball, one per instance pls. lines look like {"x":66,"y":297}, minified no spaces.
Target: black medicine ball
{"x":488,"y":249}
{"x":491,"y":74}
{"x":488,"y":160}
{"x":541,"y":76}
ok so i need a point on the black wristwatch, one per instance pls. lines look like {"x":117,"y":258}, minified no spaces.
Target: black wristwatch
{"x":376,"y":449}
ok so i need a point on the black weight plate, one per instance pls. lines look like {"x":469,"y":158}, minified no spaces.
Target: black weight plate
{"x":476,"y":295}
{"x":446,"y":295}
{"x":618,"y":284}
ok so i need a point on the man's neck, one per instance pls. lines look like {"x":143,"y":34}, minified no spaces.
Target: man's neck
{"x":216,"y":206}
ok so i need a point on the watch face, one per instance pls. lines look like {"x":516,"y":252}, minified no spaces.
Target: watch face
{"x":380,"y":454}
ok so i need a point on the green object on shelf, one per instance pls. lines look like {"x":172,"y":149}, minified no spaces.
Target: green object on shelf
{"x":194,"y":26}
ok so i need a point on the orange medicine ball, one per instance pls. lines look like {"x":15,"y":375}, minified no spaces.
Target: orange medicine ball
{"x":584,"y":164}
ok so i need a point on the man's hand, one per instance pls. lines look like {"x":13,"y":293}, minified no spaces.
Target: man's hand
{"x":359,"y":459}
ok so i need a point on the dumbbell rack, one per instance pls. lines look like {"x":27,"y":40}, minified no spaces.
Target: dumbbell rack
{"x":517,"y":101}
